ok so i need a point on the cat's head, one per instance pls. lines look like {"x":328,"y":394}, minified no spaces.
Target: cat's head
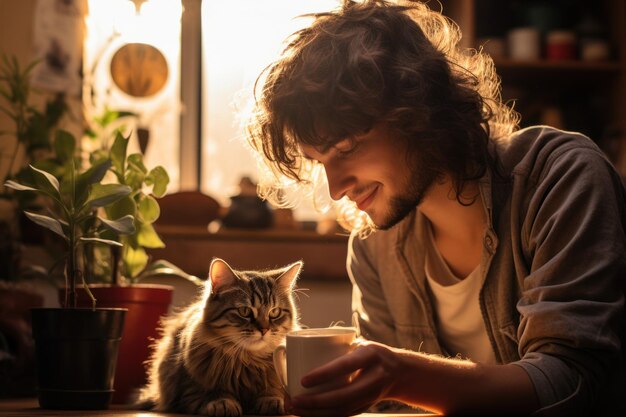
{"x":250,"y":310}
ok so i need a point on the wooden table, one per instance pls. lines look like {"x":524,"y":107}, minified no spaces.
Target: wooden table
{"x":30,"y":408}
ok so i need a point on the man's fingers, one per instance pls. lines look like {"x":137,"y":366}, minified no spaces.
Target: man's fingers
{"x":363,"y":389}
{"x":340,"y":367}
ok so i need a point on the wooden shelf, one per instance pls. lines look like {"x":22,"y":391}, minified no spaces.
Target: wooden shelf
{"x":263,"y":235}
{"x":590,"y":96}
{"x":192,"y":248}
{"x":560,"y":66}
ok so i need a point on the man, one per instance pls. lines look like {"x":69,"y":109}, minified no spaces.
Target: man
{"x":492,"y":278}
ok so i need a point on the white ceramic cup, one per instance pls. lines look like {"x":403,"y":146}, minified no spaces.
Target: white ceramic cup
{"x":307,"y":349}
{"x":524,"y":44}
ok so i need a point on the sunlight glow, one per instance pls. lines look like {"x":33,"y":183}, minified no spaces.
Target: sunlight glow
{"x":112,"y":24}
{"x":239,"y":40}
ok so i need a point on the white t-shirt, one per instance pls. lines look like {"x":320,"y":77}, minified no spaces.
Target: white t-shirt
{"x":459,"y":321}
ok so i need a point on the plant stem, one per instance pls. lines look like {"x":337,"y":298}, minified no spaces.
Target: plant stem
{"x":71,"y":266}
{"x":115,"y":260}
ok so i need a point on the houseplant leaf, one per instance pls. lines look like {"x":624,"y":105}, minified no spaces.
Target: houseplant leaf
{"x":159,"y":178}
{"x":135,"y":260}
{"x":64,"y":145}
{"x":19,"y":187}
{"x":47,"y":182}
{"x":135,"y":172}
{"x":149,"y":209}
{"x":48,"y":222}
{"x":93,"y":175}
{"x":118,"y":153}
{"x":148,"y":238}
{"x":103,"y":194}
{"x":99,"y":240}
{"x":122,"y":207}
{"x":124,"y":225}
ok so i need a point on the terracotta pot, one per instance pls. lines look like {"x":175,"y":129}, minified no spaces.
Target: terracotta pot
{"x":146,"y":304}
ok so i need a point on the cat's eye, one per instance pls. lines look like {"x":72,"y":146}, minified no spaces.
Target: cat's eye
{"x":244,"y":312}
{"x":275,"y":313}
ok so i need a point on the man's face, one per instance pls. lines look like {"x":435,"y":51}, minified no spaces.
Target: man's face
{"x":374,"y":171}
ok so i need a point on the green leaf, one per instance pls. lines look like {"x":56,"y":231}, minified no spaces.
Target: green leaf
{"x":99,"y":240}
{"x":118,"y":153}
{"x":159,"y":177}
{"x":122,"y":207}
{"x":47,"y":222}
{"x":64,"y":145}
{"x":19,"y":187}
{"x":48,"y":182}
{"x":135,"y":162}
{"x":163,"y":267}
{"x":124,"y":225}
{"x":149,"y":209}
{"x":148,"y":237}
{"x":134,"y":260}
{"x":96,"y":172}
{"x":93,"y":175}
{"x":101,"y":195}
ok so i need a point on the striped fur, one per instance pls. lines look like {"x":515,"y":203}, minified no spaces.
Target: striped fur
{"x":215,"y":356}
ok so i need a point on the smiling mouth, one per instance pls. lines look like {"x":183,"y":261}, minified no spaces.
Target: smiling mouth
{"x":366,"y":201}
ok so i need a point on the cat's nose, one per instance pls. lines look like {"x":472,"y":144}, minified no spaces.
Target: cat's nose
{"x":263,"y":331}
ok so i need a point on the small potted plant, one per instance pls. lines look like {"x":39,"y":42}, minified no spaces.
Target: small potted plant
{"x":27,"y":137}
{"x":118,"y":285}
{"x":76,"y":347}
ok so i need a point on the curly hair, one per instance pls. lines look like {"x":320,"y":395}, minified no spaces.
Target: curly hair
{"x":371,"y":62}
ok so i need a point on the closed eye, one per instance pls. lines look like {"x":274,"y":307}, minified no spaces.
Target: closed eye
{"x":346,"y":147}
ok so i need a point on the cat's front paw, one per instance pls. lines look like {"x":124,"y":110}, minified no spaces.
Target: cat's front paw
{"x":224,"y":407}
{"x":267,"y":406}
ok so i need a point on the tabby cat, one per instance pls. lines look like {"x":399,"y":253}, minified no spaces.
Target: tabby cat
{"x":215,"y":356}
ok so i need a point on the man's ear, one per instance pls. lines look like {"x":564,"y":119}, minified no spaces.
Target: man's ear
{"x":220,"y":275}
{"x":288,"y":278}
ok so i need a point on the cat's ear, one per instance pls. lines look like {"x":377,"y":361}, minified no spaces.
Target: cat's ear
{"x":221,"y":275}
{"x":288,"y":278}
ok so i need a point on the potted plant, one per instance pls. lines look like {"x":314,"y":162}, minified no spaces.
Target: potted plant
{"x":118,"y":286}
{"x":76,"y":347}
{"x":28,"y":139}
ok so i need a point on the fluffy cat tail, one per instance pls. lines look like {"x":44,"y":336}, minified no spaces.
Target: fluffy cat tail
{"x":144,"y":405}
{"x":143,"y":401}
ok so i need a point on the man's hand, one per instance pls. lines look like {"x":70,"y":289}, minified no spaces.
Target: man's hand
{"x":375,"y":372}
{"x":371,"y":370}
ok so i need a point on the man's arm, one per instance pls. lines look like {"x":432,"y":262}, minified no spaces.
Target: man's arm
{"x":369,"y":306}
{"x":432,"y":382}
{"x":571,"y":303}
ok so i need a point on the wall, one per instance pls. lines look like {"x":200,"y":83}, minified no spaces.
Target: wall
{"x":16,"y":40}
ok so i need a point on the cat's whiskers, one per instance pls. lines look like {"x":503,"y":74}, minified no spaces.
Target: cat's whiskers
{"x":300,"y":291}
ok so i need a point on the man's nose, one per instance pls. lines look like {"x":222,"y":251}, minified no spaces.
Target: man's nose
{"x":339,"y":181}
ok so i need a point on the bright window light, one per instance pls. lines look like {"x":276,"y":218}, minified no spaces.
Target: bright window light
{"x":112,"y":24}
{"x":240,"y":39}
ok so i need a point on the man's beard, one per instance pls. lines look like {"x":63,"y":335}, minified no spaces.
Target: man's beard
{"x":421,"y":178}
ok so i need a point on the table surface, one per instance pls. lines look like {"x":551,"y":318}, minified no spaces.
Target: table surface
{"x":24,"y":407}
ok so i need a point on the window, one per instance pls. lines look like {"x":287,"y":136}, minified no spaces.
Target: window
{"x":111,"y":24}
{"x":239,"y":39}
{"x":221,"y":46}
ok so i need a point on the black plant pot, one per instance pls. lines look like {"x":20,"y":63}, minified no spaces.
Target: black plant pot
{"x":76,"y":353}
